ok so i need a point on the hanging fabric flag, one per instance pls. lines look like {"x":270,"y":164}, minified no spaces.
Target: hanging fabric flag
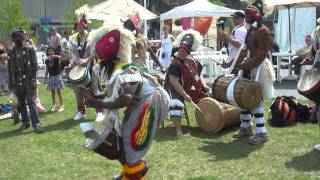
{"x":186,"y":23}
{"x":202,"y":24}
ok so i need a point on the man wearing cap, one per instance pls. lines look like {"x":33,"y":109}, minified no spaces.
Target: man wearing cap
{"x":22,"y":71}
{"x":184,"y":81}
{"x":255,"y":66}
{"x":237,"y":37}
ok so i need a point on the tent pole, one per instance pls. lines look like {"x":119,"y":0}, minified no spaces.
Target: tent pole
{"x":289,"y":29}
{"x":145,"y":21}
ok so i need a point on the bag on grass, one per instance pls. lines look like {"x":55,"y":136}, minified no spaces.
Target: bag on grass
{"x":5,"y":108}
{"x":286,"y":111}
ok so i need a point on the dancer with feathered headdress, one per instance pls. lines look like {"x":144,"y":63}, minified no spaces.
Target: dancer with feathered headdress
{"x":127,"y":86}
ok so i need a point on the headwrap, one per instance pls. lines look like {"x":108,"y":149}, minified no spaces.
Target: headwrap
{"x":112,"y":41}
{"x":255,"y":10}
{"x":189,"y":40}
{"x":81,"y":14}
{"x":132,"y":23}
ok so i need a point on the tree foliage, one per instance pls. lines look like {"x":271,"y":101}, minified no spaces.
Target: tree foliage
{"x":218,"y":2}
{"x":11,"y":17}
{"x":71,"y":18}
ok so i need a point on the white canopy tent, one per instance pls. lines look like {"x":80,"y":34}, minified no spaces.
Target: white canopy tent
{"x":300,"y":27}
{"x":198,"y":8}
{"x":286,"y":4}
{"x":292,"y":4}
{"x":123,"y":8}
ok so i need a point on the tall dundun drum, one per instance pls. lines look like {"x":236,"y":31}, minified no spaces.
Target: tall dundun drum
{"x":237,"y":91}
{"x":309,"y":84}
{"x":216,"y":115}
{"x":79,"y":75}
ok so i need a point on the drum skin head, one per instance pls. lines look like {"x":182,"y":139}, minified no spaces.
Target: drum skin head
{"x":251,"y":96}
{"x":77,"y":73}
{"x":211,"y":120}
{"x":309,"y":82}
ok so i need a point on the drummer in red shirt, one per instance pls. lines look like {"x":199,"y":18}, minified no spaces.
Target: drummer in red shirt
{"x":184,"y":81}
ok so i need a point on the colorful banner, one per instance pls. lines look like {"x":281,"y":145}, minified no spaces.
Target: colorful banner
{"x":202,"y":24}
{"x":186,"y":23}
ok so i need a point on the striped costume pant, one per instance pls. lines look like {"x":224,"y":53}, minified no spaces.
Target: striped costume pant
{"x":258,"y":114}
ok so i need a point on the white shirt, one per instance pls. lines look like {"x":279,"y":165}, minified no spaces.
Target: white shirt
{"x":166,"y":43}
{"x":238,"y":34}
{"x":55,"y":41}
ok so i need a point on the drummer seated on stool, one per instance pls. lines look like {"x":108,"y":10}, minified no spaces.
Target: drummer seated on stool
{"x":184,"y":80}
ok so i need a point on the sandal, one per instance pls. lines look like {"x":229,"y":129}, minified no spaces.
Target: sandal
{"x":61,"y":108}
{"x":53,"y":108}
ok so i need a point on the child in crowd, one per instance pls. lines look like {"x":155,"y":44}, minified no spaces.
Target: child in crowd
{"x":54,"y":82}
{"x":3,"y":71}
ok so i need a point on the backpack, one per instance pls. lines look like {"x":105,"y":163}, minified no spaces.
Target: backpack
{"x":286,"y":111}
{"x":5,"y":108}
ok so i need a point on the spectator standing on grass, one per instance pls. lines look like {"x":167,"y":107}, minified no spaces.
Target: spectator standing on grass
{"x":55,"y":40}
{"x":54,"y":82}
{"x":3,"y":71}
{"x":22,"y":70}
{"x":166,"y":45}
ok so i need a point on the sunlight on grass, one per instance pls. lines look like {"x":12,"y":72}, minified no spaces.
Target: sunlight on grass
{"x":59,"y":152}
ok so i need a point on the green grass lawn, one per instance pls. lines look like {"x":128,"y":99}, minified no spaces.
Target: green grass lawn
{"x":59,"y":152}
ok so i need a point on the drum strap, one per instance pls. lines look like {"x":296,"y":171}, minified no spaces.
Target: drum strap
{"x":235,"y":59}
{"x":83,"y":48}
{"x":230,"y":95}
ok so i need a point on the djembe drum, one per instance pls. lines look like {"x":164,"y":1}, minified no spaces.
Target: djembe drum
{"x":214,"y":115}
{"x":309,"y":84}
{"x":79,"y":75}
{"x":237,"y":91}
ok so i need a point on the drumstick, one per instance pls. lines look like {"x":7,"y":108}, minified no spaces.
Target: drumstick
{"x":195,"y":105}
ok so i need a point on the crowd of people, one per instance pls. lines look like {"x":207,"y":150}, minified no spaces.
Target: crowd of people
{"x":115,"y":58}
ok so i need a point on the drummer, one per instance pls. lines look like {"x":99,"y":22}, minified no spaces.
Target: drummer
{"x":184,"y":80}
{"x":317,"y":147}
{"x":80,"y":50}
{"x":257,"y":43}
{"x":128,"y":86}
{"x":142,"y":46}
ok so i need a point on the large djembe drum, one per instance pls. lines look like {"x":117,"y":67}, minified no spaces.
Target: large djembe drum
{"x":237,"y":91}
{"x":79,"y":75}
{"x":214,"y":115}
{"x":309,"y":84}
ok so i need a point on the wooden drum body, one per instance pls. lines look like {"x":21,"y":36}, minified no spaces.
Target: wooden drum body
{"x":216,"y":115}
{"x":309,"y":84}
{"x":79,"y":75}
{"x":237,"y":91}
